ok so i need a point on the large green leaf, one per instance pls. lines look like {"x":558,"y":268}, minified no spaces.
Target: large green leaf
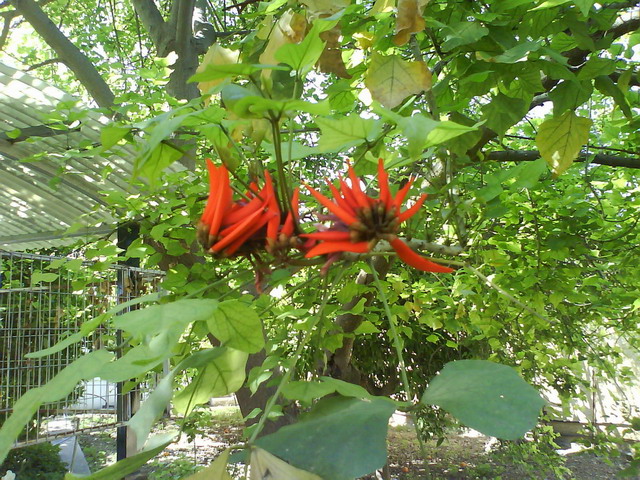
{"x":504,"y":112}
{"x":390,"y":79}
{"x":560,"y":140}
{"x":58,"y":387}
{"x":486,"y":396}
{"x":152,"y":408}
{"x":345,"y":132}
{"x":304,"y":55}
{"x":223,"y":375}
{"x":237,"y":326}
{"x":340,"y":439}
{"x":174,"y":316}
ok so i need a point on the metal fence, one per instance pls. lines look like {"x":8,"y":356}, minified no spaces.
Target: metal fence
{"x":42,"y":300}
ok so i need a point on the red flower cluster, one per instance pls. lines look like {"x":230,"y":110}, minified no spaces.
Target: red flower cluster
{"x":229,"y":228}
{"x":360,"y":221}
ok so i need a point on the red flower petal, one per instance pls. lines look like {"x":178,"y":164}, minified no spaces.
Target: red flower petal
{"x":399,"y":199}
{"x":348,"y":195}
{"x":207,"y":215}
{"x":329,"y":235}
{"x":331,"y":247}
{"x":408,"y":256}
{"x":337,"y":210}
{"x":234,"y":246}
{"x":362,"y":199}
{"x":223,"y":196}
{"x":235,"y":231}
{"x":410,"y":212}
{"x":383,"y":183}
{"x":337,"y":196}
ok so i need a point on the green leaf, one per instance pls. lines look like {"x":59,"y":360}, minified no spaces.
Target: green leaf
{"x":446,"y":130}
{"x":112,"y":134}
{"x":463,"y":33}
{"x":390,"y":79}
{"x":584,"y":6}
{"x":366,"y":327}
{"x":517,"y":53}
{"x":152,"y":165}
{"x":216,"y":72}
{"x":237,"y":326}
{"x":265,"y":466}
{"x":57,"y":388}
{"x":216,"y":471}
{"x":504,"y":112}
{"x":417,"y":129}
{"x":222,"y":376}
{"x":595,"y":67}
{"x":606,"y":86}
{"x":487,"y":397}
{"x":153,"y":407}
{"x":341,"y":133}
{"x":550,"y":4}
{"x":304,"y":55}
{"x":306,"y":391}
{"x":157,"y":154}
{"x":38,"y":277}
{"x":347,"y":389}
{"x":169,"y":316}
{"x":560,"y":140}
{"x":128,"y":465}
{"x":340,"y":439}
{"x":569,"y":95}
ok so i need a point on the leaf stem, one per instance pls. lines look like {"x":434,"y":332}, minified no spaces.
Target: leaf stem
{"x":398,"y":347}
{"x":287,"y":374}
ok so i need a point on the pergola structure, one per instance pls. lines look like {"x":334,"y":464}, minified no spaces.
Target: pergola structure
{"x":50,"y":174}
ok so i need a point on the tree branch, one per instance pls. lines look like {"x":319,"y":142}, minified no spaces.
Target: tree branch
{"x":599,"y":159}
{"x":45,"y":63}
{"x":71,"y":55}
{"x":152,"y":20}
{"x":8,"y":18}
{"x":183,"y":26}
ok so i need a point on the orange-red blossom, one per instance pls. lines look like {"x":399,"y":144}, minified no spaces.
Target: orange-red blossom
{"x":228,"y":228}
{"x":360,"y":221}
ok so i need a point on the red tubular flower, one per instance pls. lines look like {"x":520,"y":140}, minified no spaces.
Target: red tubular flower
{"x":360,"y":221}
{"x":225,"y":226}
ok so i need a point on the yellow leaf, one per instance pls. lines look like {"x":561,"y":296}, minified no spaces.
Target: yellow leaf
{"x":290,"y":28}
{"x":560,"y":140}
{"x":216,"y":55}
{"x":265,"y":466}
{"x":216,"y":471}
{"x":324,"y":8}
{"x":331,"y":59}
{"x":409,"y":20}
{"x":391,"y":79}
{"x":383,"y":6}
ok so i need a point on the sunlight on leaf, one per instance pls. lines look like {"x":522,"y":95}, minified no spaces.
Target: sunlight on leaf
{"x":409,"y":20}
{"x":265,"y":466}
{"x":560,"y":140}
{"x":237,"y":326}
{"x":216,"y":471}
{"x":348,"y":131}
{"x":390,"y":79}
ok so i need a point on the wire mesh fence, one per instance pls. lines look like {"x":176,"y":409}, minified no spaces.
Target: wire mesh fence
{"x":43,"y":299}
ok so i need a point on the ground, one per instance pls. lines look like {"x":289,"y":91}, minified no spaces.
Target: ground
{"x":463,"y":455}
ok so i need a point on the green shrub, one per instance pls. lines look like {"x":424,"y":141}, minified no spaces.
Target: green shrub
{"x":35,"y":462}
